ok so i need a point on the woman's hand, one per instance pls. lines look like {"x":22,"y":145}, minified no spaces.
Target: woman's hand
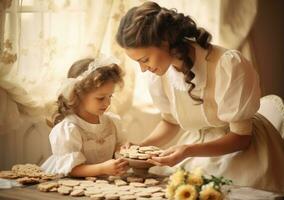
{"x":171,"y":156}
{"x":115,"y":167}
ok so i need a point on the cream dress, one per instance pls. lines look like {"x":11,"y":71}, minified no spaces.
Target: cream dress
{"x":75,"y":141}
{"x":229,"y":86}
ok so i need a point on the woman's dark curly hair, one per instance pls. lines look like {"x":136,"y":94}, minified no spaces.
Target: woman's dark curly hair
{"x":150,"y":25}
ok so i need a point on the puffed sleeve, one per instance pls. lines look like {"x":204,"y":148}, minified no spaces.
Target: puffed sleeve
{"x":159,"y":98}
{"x":120,"y":132}
{"x":66,"y":146}
{"x":237,"y":92}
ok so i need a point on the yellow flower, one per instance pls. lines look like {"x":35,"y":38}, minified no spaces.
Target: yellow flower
{"x":197,"y":171}
{"x":194,"y":179}
{"x":209,"y":193}
{"x":186,"y":192}
{"x":177,"y":178}
{"x":170,"y":191}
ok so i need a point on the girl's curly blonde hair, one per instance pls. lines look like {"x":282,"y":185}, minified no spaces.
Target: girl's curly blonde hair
{"x":97,"y":78}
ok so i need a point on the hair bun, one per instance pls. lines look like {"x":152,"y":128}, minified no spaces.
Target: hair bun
{"x":203,"y":37}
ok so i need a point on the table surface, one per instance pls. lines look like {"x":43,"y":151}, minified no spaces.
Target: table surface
{"x":31,"y":193}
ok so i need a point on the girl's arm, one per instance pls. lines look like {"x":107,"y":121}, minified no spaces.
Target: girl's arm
{"x":162,"y":134}
{"x":85,"y":170}
{"x":110,"y":167}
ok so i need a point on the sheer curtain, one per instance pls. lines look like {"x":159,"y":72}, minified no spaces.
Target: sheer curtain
{"x":47,"y":37}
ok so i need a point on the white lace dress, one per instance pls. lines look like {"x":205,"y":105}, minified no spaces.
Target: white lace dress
{"x":229,"y":86}
{"x":75,"y":141}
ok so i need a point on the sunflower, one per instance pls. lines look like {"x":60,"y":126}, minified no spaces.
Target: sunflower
{"x":186,"y":192}
{"x":170,"y":191}
{"x":194,"y":179}
{"x":178,"y":177}
{"x":209,"y":193}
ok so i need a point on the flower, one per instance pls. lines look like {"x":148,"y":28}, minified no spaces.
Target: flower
{"x":186,"y":192}
{"x":194,"y":179}
{"x":178,"y":177}
{"x":170,"y":191}
{"x":209,"y":193}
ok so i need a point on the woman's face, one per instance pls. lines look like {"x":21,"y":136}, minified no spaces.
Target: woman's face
{"x":154,"y":59}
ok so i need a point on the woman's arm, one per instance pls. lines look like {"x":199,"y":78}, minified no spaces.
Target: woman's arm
{"x":162,"y":134}
{"x":227,"y":144}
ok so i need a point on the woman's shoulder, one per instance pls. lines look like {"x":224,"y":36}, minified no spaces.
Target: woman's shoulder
{"x":222,"y":55}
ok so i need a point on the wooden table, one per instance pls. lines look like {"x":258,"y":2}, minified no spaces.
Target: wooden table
{"x":31,"y":193}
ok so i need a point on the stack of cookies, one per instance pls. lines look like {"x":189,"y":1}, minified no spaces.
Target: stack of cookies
{"x":115,"y":187}
{"x":140,"y":153}
{"x":27,"y":174}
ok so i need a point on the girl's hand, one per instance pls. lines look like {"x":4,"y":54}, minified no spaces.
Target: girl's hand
{"x":115,"y":167}
{"x":171,"y":156}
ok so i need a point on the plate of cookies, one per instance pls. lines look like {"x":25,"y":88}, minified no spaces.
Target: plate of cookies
{"x":138,"y":156}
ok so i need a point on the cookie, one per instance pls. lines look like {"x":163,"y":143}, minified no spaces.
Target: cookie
{"x":143,"y":194}
{"x":64,"y":190}
{"x":8,"y":174}
{"x":93,"y":188}
{"x":102,"y":181}
{"x":77,"y":193}
{"x":91,"y":178}
{"x":151,"y":182}
{"x":136,"y":184}
{"x":111,"y":196}
{"x":144,"y":156}
{"x":126,"y":193}
{"x":148,"y":148}
{"x":48,"y":177}
{"x":79,"y":187}
{"x":134,"y":147}
{"x":53,"y":189}
{"x":89,"y":193}
{"x":87,"y":183}
{"x":158,"y":194}
{"x":133,"y":155}
{"x":113,"y":178}
{"x":28,"y":180}
{"x":124,"y":188}
{"x":119,"y":182}
{"x":154,"y":189}
{"x":131,"y":179}
{"x":97,"y":197}
{"x":127,"y":197}
{"x":69,"y":183}
{"x":47,"y":186}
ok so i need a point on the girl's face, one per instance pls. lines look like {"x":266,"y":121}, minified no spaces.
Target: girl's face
{"x":98,"y":101}
{"x":154,"y":59}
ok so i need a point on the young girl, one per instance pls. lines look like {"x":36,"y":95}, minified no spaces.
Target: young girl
{"x":84,"y":137}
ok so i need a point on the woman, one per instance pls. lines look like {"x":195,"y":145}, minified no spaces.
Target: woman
{"x":209,"y":91}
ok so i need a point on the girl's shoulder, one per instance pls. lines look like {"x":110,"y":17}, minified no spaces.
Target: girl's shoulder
{"x":67,"y":125}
